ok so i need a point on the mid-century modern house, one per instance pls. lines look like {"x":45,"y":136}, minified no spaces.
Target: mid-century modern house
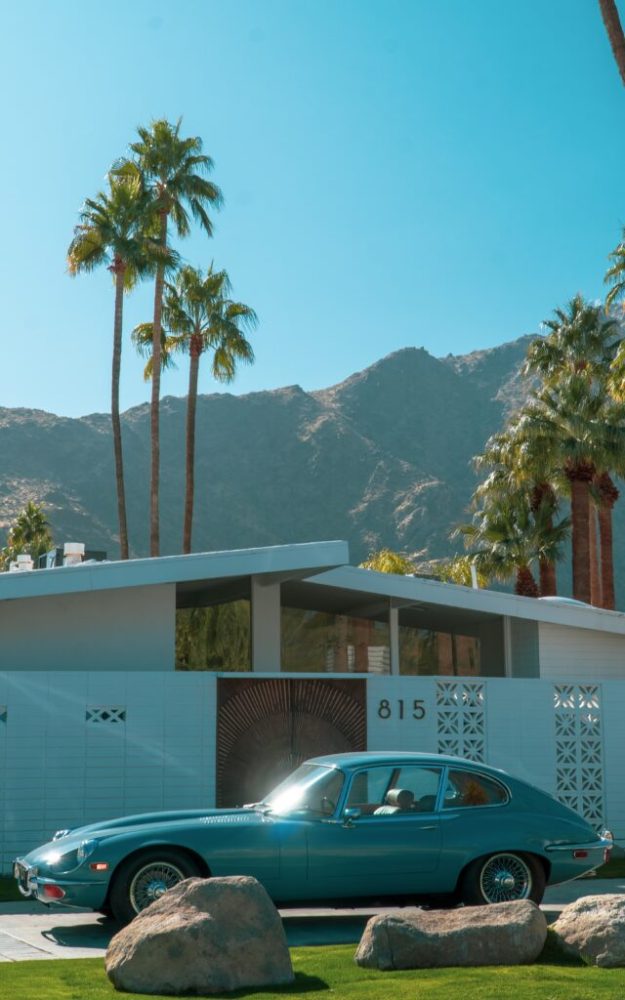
{"x":200,"y":680}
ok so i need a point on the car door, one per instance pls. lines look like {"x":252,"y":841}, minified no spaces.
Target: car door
{"x":377,"y":846}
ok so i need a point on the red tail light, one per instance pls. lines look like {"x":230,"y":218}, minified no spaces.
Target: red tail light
{"x":53,"y":892}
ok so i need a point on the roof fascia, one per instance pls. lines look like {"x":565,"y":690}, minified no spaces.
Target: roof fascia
{"x":306,"y":559}
{"x":407,"y":590}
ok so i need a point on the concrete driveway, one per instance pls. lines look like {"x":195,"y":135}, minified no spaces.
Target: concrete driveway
{"x":29,"y":931}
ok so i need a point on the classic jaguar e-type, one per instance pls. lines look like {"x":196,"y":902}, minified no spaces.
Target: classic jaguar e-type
{"x":345,"y":826}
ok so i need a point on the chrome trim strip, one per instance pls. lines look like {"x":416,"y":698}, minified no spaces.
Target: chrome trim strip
{"x":595,"y":845}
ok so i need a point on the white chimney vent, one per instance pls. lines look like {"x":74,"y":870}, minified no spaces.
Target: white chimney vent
{"x":73,"y":553}
{"x":24,"y":562}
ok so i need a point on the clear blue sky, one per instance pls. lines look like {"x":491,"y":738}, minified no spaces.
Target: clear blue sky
{"x":437,"y":173}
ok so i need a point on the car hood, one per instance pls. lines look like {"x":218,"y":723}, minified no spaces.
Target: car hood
{"x":155,"y":823}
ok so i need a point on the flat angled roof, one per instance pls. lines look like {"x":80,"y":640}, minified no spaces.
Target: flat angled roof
{"x":281,"y":561}
{"x":465,"y":603}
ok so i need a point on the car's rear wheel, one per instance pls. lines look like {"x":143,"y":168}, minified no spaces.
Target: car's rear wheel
{"x":503,"y":878}
{"x":142,"y":879}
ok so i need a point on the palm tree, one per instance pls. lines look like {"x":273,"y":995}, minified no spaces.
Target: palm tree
{"x":387,"y":561}
{"x":200,"y":319}
{"x":519,"y":463}
{"x":173,"y":169}
{"x":30,"y":532}
{"x":612,"y":22}
{"x":505,"y":538}
{"x":114,"y":230}
{"x":580,"y":434}
{"x":580,"y":337}
{"x":573,"y":362}
{"x":608,"y":495}
{"x":142,"y":337}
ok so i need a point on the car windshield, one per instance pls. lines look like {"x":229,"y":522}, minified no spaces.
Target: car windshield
{"x":312,"y":788}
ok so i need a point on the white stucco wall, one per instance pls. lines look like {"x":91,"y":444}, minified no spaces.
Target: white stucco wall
{"x":575,"y":653}
{"x":127,"y":629}
{"x":59,"y":768}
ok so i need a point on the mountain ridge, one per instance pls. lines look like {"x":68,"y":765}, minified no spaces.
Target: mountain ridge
{"x":381,"y":458}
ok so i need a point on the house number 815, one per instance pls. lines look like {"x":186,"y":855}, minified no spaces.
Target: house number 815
{"x":385,"y":710}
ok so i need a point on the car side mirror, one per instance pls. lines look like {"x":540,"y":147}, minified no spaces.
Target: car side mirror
{"x":351,"y":814}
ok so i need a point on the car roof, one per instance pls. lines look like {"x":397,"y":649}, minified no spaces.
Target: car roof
{"x":352,"y":761}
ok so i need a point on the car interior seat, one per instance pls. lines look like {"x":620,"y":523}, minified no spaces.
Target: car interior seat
{"x":425,"y":804}
{"x":396,"y":800}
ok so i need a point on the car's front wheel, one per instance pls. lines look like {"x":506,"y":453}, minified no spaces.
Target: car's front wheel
{"x":503,"y":878}
{"x":141,"y":880}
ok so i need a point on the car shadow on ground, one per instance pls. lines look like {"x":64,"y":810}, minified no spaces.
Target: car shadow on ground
{"x":300,"y":932}
{"x":88,"y":935}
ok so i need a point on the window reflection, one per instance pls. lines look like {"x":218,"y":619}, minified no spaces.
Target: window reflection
{"x":426,"y":652}
{"x":214,"y":638}
{"x":317,"y":641}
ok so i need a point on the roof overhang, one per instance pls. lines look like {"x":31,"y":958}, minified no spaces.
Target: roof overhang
{"x":440,"y":606}
{"x":202,"y":571}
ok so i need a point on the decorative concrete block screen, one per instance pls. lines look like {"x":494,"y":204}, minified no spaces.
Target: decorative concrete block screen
{"x":579,"y":749}
{"x":461,"y":719}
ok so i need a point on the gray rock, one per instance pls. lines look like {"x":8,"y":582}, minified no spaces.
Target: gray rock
{"x":203,"y":936}
{"x":593,"y":928}
{"x":501,"y":934}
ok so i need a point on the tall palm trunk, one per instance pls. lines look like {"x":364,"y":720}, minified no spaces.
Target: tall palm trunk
{"x":525,"y":585}
{"x":548,"y":579}
{"x":155,"y":543}
{"x":195,"y":350}
{"x":118,"y":269}
{"x":543,"y":493}
{"x":609,"y":495}
{"x":579,"y":477}
{"x":593,"y":557}
{"x":609,"y":13}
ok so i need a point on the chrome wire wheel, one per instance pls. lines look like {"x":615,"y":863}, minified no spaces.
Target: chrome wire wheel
{"x":151,"y":881}
{"x":505,"y":877}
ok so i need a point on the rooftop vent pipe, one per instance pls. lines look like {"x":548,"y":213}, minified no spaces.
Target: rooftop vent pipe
{"x":73,"y":553}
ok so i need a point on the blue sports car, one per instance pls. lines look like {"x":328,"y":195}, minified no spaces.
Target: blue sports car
{"x":345,"y":826}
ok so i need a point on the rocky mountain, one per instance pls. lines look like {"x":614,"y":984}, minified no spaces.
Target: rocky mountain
{"x":383,"y":458}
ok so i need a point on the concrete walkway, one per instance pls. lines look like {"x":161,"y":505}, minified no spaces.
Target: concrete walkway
{"x":30,"y":931}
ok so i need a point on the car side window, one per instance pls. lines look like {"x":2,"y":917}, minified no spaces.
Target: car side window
{"x":423,"y":782}
{"x":369,"y":788}
{"x":466,"y":788}
{"x":391,"y":791}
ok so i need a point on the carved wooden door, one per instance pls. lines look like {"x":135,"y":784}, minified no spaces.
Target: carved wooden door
{"x":267,"y":727}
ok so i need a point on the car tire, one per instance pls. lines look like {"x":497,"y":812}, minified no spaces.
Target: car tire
{"x":502,"y":878}
{"x":144,"y":878}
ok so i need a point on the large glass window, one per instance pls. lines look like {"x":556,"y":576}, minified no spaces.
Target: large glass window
{"x":317,"y":641}
{"x":214,"y":638}
{"x":426,"y":652}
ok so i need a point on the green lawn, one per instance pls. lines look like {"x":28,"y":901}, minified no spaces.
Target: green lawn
{"x":324,"y":971}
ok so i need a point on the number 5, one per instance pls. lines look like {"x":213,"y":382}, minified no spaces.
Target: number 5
{"x":418,"y":710}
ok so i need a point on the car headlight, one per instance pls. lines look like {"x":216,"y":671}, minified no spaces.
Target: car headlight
{"x":59,"y":862}
{"x":85,"y":850}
